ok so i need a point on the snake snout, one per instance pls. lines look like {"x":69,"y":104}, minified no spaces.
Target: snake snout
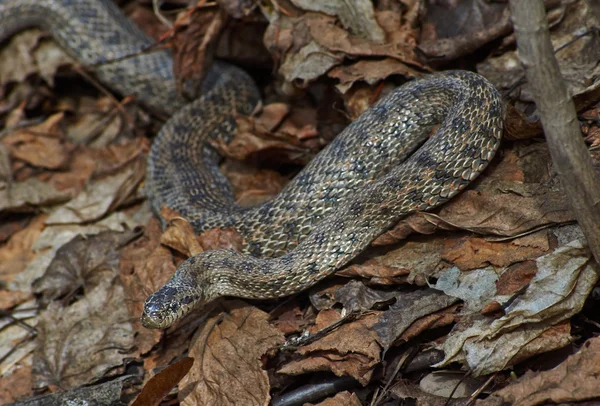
{"x":154,"y":315}
{"x":166,"y":306}
{"x":160,"y":308}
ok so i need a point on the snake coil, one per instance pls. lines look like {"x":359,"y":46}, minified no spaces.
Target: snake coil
{"x":382,"y":167}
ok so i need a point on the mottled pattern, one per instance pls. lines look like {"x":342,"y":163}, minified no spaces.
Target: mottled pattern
{"x":367,"y":179}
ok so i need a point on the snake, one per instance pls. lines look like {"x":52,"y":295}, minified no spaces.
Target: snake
{"x":410,"y":151}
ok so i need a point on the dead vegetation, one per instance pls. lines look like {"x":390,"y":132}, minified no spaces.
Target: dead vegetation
{"x":488,"y":300}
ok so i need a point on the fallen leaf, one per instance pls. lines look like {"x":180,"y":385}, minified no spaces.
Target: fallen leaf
{"x":351,"y":349}
{"x":181,"y":237}
{"x":449,"y":384}
{"x":159,"y":386}
{"x":85,"y":341}
{"x":228,"y":352}
{"x":16,"y":385}
{"x":29,"y":195}
{"x":24,"y":56}
{"x":409,"y":307}
{"x":341,"y":399}
{"x":144,"y":266}
{"x":558,"y":291}
{"x":101,"y":196}
{"x":575,"y":380}
{"x":471,"y":253}
{"x":17,"y":252}
{"x":83,"y":263}
{"x":40,"y":145}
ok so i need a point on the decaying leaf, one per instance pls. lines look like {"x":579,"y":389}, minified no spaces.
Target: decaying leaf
{"x":144,"y":267}
{"x":558,"y":290}
{"x":351,"y":349}
{"x":517,"y":194}
{"x":24,"y":56}
{"x":575,"y":380}
{"x":341,"y":399}
{"x":161,"y":384}
{"x":577,"y":61}
{"x":32,"y":193}
{"x":84,"y":262}
{"x":228,"y":351}
{"x":81,"y":343}
{"x":17,"y":252}
{"x":40,"y":145}
{"x":101,"y":196}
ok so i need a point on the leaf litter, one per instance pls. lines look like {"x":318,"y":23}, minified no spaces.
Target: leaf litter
{"x":496,"y":278}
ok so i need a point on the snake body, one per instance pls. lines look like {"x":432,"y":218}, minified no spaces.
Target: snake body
{"x":381,"y":168}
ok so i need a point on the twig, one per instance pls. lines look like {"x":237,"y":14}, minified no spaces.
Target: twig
{"x":559,"y":119}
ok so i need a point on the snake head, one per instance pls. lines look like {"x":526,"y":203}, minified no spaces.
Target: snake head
{"x":173,"y":301}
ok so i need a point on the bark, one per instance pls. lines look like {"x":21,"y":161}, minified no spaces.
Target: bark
{"x":559,"y":119}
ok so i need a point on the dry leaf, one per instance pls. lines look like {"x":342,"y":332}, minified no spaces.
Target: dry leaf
{"x":81,"y":343}
{"x":161,"y":384}
{"x":228,"y":351}
{"x":557,"y":292}
{"x":341,"y":399}
{"x":101,"y":196}
{"x":144,"y":267}
{"x":16,"y":385}
{"x":30,"y":194}
{"x":84,"y":262}
{"x":351,"y":349}
{"x":575,"y":380}
{"x":15,"y":254}
{"x":24,"y":56}
{"x":40,"y":145}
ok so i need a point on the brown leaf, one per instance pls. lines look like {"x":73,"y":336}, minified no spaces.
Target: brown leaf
{"x":357,"y":17}
{"x":30,"y":195}
{"x":471,"y":253}
{"x":409,"y":307}
{"x":81,"y":343}
{"x":84,"y":262}
{"x":438,"y":319}
{"x":17,"y":252}
{"x":101,"y":196}
{"x":40,"y":145}
{"x":254,"y":139}
{"x":193,"y":47}
{"x":145,"y":266}
{"x":228,"y":351}
{"x":289,"y":319}
{"x":161,"y":384}
{"x":515,"y":277}
{"x":25,"y":56}
{"x":252,"y":186}
{"x":405,"y":390}
{"x":532,"y":320}
{"x":341,"y":399}
{"x":410,"y":262}
{"x":577,"y":61}
{"x":217,"y":239}
{"x":327,"y":34}
{"x":461,"y":31}
{"x":370,"y":72}
{"x":515,"y":195}
{"x":351,"y":349}
{"x":180,"y":236}
{"x":16,"y":385}
{"x":575,"y":380}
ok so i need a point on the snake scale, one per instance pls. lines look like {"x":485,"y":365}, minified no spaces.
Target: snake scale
{"x":382,"y":167}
